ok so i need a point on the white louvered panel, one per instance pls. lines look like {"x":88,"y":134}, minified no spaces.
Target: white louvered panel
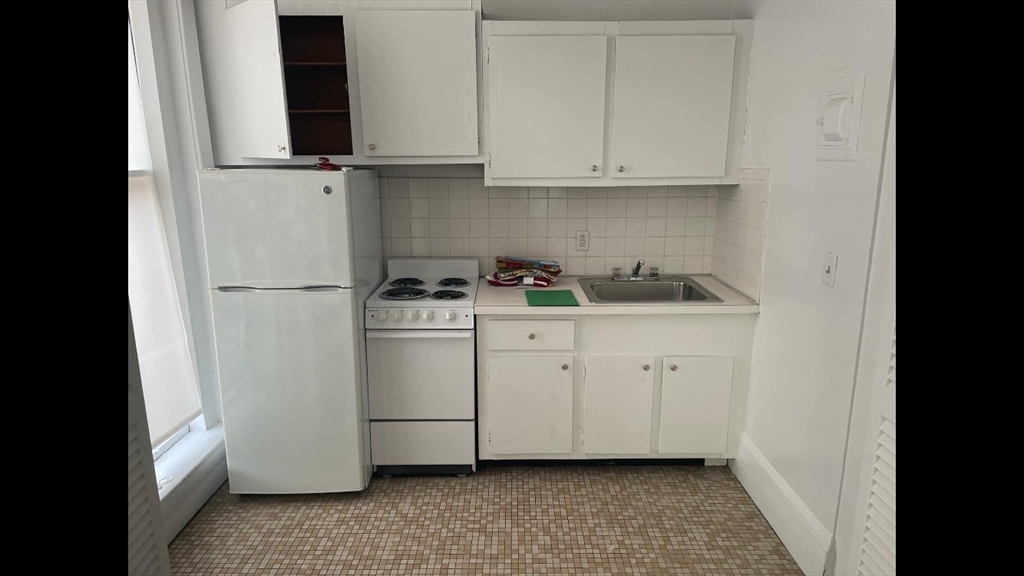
{"x":147,"y":544}
{"x":890,"y":376}
{"x":878,"y":547}
{"x":143,"y":551}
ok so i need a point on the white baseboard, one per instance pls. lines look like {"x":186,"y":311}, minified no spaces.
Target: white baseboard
{"x":804,"y":535}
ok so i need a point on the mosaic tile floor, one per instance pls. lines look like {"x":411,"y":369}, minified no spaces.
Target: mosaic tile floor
{"x":563,"y":520}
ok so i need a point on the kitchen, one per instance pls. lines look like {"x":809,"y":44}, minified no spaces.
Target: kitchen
{"x":685,"y":178}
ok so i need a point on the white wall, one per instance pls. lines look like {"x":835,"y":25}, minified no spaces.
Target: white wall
{"x":805,"y":344}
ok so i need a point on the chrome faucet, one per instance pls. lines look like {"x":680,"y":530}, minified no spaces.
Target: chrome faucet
{"x":636,"y":269}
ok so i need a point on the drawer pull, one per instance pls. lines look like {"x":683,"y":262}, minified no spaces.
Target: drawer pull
{"x":647,"y":367}
{"x":674,"y":368}
{"x":565,"y":366}
{"x":533,"y":336}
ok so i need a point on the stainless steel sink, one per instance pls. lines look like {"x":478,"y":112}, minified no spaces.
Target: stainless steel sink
{"x":664,"y":289}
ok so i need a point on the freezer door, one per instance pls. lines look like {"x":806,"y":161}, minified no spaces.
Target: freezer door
{"x":291,"y":390}
{"x":280,"y":228}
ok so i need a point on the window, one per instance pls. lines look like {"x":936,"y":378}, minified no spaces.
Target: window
{"x":169,"y":379}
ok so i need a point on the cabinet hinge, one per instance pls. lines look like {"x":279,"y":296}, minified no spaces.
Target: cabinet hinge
{"x":488,"y":437}
{"x":488,"y":54}
{"x":488,"y":159}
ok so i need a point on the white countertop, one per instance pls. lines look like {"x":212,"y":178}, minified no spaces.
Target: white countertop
{"x":512,"y":300}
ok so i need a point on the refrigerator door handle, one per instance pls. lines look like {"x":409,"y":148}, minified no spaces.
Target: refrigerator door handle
{"x":309,"y":288}
{"x":323,"y":288}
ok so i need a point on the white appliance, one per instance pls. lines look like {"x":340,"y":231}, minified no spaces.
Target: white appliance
{"x":420,"y":350}
{"x":293,"y":255}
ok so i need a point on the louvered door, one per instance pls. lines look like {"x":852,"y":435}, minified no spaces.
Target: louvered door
{"x":875,"y":529}
{"x":147,"y":545}
{"x":866,"y":524}
{"x":874,"y":535}
{"x":875,"y":532}
{"x":878,"y":538}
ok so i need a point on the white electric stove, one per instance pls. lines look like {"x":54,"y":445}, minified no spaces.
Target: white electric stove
{"x":424,"y":294}
{"x":420,"y":349}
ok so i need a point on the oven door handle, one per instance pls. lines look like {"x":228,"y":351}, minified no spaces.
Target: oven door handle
{"x":419,"y":333}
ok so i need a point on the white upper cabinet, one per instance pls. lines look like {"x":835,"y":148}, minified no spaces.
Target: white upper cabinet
{"x":363,"y":82}
{"x":417,"y":83}
{"x":255,"y":80}
{"x":546,"y":102}
{"x":673,"y":96}
{"x":615,"y":103}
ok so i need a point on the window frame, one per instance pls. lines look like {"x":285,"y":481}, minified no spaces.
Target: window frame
{"x":165,"y":42}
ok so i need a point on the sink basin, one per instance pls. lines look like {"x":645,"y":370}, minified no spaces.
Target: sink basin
{"x":664,"y":289}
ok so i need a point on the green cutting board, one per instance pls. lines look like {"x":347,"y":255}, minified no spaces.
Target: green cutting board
{"x":551,"y":298}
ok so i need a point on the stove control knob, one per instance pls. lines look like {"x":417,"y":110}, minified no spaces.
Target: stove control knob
{"x":428,"y":315}
{"x":383,"y":316}
{"x":449,"y":315}
{"x":413,"y":315}
{"x":398,"y":315}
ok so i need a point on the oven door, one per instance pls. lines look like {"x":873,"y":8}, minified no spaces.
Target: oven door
{"x":421,"y":374}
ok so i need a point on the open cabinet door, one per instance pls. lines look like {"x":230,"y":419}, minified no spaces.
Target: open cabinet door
{"x":147,"y":544}
{"x":256,"y":91}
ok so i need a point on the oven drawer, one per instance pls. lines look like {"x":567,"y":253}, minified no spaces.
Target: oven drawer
{"x":422,"y":443}
{"x":421,"y":374}
{"x":532,"y":334}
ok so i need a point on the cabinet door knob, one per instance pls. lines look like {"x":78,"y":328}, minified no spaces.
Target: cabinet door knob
{"x":280,"y":148}
{"x":647,"y":367}
{"x":674,"y":368}
{"x":622,"y":168}
{"x":593,"y":168}
{"x":372,"y":146}
{"x":533,"y":336}
{"x":565,"y":366}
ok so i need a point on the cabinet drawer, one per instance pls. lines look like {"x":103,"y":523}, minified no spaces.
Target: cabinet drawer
{"x":532,"y":335}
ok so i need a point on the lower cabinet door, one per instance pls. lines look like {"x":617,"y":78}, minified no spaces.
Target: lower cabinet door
{"x":695,"y":396}
{"x":530,"y":404}
{"x":618,"y":394}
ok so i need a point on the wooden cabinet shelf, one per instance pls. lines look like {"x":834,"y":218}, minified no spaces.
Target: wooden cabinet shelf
{"x":316,"y":83}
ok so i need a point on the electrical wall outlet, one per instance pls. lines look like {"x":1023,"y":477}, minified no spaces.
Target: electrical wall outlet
{"x":828,"y":273}
{"x":582,"y":240}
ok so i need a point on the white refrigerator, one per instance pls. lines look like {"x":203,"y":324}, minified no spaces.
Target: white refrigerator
{"x":292,"y":256}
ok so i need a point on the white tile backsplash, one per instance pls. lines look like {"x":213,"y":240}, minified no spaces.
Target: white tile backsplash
{"x":738,"y":226}
{"x":460,"y":217}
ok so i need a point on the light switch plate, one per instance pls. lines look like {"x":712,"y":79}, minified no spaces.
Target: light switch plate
{"x":828,"y":272}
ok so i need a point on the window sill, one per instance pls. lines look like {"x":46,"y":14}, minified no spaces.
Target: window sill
{"x":197,"y":467}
